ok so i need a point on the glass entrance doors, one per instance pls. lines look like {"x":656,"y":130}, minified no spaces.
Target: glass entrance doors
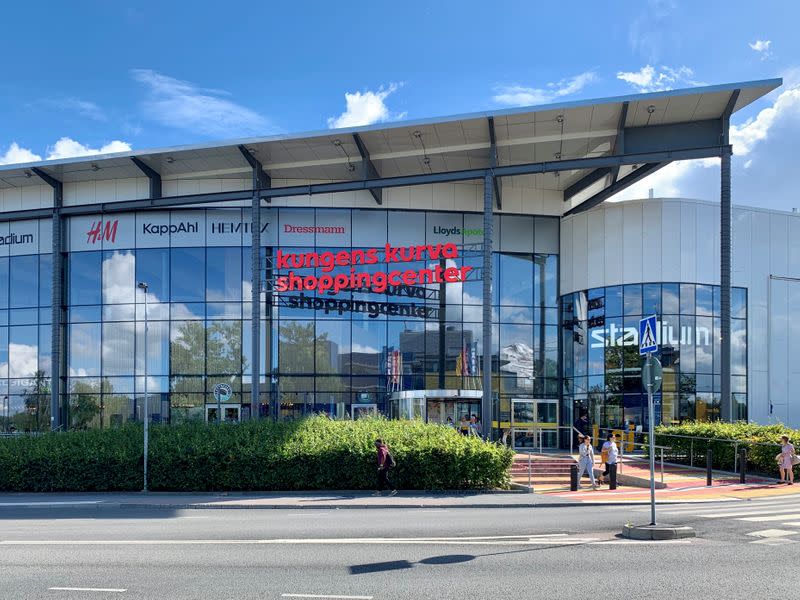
{"x":230,"y":413}
{"x":534,"y":423}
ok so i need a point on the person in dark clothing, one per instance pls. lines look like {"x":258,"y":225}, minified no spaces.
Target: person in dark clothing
{"x":385,"y":462}
{"x":581,"y":427}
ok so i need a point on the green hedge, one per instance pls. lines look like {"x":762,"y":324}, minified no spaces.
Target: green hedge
{"x":760,"y":458}
{"x":311,"y":454}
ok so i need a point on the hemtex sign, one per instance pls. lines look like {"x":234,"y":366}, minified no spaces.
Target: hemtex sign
{"x":378,"y":282}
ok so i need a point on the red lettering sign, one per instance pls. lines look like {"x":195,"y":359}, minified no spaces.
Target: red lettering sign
{"x":101,"y":230}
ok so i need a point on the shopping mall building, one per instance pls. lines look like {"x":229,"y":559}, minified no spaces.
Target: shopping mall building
{"x":428,"y":269}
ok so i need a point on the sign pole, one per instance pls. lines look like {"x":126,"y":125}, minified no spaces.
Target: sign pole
{"x":651,"y":438}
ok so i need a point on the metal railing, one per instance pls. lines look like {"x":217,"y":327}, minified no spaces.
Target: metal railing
{"x":707,"y":441}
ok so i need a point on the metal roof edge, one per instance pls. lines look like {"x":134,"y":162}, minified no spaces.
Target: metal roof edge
{"x":771,"y":83}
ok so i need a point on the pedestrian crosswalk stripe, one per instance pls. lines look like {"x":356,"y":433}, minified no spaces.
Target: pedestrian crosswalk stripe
{"x":771,"y":518}
{"x":746,"y":513}
{"x":772,"y":533}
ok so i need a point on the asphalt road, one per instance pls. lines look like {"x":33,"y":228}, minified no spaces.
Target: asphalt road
{"x":385,"y":553}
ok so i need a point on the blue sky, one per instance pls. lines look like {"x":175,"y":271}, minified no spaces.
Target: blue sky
{"x":84,"y":77}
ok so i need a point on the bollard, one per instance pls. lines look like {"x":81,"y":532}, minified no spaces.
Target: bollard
{"x":708,"y":466}
{"x":742,"y":464}
{"x":573,"y":478}
{"x":612,"y":476}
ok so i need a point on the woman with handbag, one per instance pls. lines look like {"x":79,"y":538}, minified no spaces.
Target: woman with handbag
{"x":788,"y":458}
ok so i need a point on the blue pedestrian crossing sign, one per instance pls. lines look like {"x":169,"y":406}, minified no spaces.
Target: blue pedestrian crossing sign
{"x":648,"y":342}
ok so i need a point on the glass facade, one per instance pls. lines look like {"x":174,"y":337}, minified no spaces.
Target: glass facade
{"x":344,"y":354}
{"x":602,"y":366}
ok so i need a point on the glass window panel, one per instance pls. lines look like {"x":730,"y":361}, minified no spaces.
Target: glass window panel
{"x":223,"y":274}
{"x":24,"y":316}
{"x":182,"y":311}
{"x":24,"y":281}
{"x":738,"y":347}
{"x":651,"y":299}
{"x":187,"y":347}
{"x":596,"y":363}
{"x":118,"y":348}
{"x":716,"y":347}
{"x":23,"y":351}
{"x":119,"y":312}
{"x":224,"y":310}
{"x":4,"y":283}
{"x":704,"y":346}
{"x":516,"y":314}
{"x":296,"y":346}
{"x":717,"y":300}
{"x":45,"y":348}
{"x":83,"y":314}
{"x":688,"y":342}
{"x":516,"y":279}
{"x":45,"y":279}
{"x":688,"y":299}
{"x":332,"y":347}
{"x":3,"y":353}
{"x":705,"y":300}
{"x":670,"y":298}
{"x":738,"y":303}
{"x":84,"y":359}
{"x":224,"y":347}
{"x":84,"y":278}
{"x":670,"y":340}
{"x":119,"y":277}
{"x":516,"y":352}
{"x":614,"y":301}
{"x":187,"y":272}
{"x":369,"y":341}
{"x":545,"y":289}
{"x":152,"y":267}
{"x":633,"y":300}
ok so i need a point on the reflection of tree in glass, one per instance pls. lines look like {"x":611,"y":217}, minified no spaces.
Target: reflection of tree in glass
{"x":301,"y":353}
{"x":37,"y":405}
{"x":84,"y":403}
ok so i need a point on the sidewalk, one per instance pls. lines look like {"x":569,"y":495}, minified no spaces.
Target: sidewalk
{"x":682,"y":484}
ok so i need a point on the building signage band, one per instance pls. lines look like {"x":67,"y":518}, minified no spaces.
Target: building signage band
{"x":665,"y":334}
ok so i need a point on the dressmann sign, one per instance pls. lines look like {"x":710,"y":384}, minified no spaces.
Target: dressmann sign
{"x":666,"y":334}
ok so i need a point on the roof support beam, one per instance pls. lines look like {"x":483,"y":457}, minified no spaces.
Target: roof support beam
{"x":261,"y":180}
{"x":585,"y":182}
{"x":368,"y":170}
{"x":497,"y":183}
{"x":614,"y":188}
{"x":153,"y":175}
{"x":619,"y":143}
{"x":407,"y":180}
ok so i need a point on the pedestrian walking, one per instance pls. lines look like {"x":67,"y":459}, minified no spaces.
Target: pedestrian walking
{"x":581,"y":427}
{"x":609,"y":455}
{"x":385,"y":463}
{"x":463,"y":425}
{"x":586,"y":461}
{"x":475,"y":426}
{"x":786,"y":461}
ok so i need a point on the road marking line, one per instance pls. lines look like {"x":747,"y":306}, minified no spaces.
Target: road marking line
{"x":771,"y":518}
{"x":698,"y":507}
{"x":59,"y":503}
{"x":640,"y":542}
{"x":326,"y":596}
{"x":774,"y":541}
{"x":746,"y":513}
{"x":792,"y":524}
{"x":86,"y":589}
{"x":772,"y":533}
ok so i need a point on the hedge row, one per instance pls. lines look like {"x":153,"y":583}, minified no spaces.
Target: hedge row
{"x":311,"y":454}
{"x":762,"y":443}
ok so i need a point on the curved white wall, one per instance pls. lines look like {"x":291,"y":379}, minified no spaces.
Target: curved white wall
{"x":677,"y":240}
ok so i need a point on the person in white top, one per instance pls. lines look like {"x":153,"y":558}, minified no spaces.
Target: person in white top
{"x":586,"y":461}
{"x":786,"y":461}
{"x":610,"y":455}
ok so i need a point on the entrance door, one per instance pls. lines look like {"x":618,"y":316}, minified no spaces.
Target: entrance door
{"x":361,"y":411}
{"x":231,"y":413}
{"x":534,"y":423}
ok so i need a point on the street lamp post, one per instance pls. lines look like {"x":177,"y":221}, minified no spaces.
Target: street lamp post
{"x":143,"y":286}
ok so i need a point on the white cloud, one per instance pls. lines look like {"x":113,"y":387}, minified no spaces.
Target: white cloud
{"x":517,"y":95}
{"x":366,"y":108}
{"x":183,"y":105}
{"x":651,"y":79}
{"x":761,"y":47}
{"x":85,"y":108}
{"x":16,"y":154}
{"x":770,"y":135}
{"x":67,"y":148}
{"x":63,"y":148}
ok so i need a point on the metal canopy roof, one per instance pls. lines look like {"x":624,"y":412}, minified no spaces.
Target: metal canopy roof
{"x":543,"y":134}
